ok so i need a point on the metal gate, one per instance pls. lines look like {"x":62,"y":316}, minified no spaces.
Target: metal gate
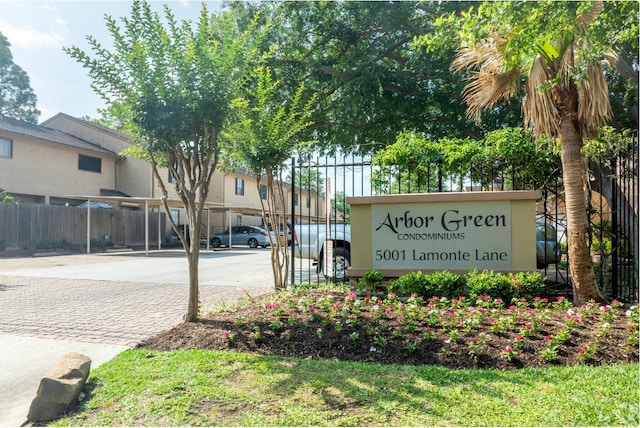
{"x":319,"y":187}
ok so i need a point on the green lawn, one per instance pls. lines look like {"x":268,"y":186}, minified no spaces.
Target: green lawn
{"x":212,"y":388}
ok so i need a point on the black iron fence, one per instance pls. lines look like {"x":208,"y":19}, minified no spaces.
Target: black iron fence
{"x":613,"y":210}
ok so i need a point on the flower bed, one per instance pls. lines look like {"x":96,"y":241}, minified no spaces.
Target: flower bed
{"x":456,"y":333}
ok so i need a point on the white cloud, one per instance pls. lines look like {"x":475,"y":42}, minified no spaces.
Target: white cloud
{"x":57,"y":18}
{"x":26,"y":36}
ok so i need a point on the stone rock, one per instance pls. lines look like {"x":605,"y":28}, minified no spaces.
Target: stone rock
{"x":60,"y":387}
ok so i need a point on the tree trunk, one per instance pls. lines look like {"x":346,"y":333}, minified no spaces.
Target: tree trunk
{"x":193,"y":257}
{"x":574,"y":173}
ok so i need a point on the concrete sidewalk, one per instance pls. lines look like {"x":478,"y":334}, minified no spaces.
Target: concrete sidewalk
{"x":101,"y":305}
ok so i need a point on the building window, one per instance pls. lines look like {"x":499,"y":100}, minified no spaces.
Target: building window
{"x":308,"y":201}
{"x":89,"y":163}
{"x":263,"y":191}
{"x":169,"y":177}
{"x":6,"y":148}
{"x":175,"y":215}
{"x":295,"y":199}
{"x":239,"y":186}
{"x":239,"y":219}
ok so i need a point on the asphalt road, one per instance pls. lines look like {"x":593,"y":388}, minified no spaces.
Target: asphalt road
{"x":101,"y":305}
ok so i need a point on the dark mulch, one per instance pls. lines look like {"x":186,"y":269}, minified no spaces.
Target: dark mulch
{"x":295,"y":332}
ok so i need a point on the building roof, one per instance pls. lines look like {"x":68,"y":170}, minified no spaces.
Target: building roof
{"x":42,"y":133}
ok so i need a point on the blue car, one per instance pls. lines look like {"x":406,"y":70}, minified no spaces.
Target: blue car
{"x":252,"y":236}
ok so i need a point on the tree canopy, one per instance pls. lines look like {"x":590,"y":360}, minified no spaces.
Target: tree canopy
{"x":17,"y":99}
{"x":372,"y":82}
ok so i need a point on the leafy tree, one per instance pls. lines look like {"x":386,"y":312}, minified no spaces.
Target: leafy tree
{"x":309,"y":179}
{"x":263,"y":137}
{"x":509,"y":156}
{"x":341,"y":206}
{"x":372,"y":83}
{"x":552,"y":45}
{"x":172,"y":84}
{"x":17,"y":99}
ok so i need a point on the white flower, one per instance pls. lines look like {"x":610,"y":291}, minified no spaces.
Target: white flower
{"x":628,"y":313}
{"x":606,"y":325}
{"x":375,"y":307}
{"x":373,"y":349}
{"x":357,"y":302}
{"x":570,"y":312}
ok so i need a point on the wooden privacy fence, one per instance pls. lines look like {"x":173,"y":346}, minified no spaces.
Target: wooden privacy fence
{"x":24,"y":224}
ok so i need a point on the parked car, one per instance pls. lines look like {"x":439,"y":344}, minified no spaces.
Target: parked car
{"x":281,"y":233}
{"x":547,"y":246}
{"x":172,"y":236}
{"x":252,"y":236}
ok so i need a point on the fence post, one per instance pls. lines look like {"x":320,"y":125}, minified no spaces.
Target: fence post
{"x":293,"y":221}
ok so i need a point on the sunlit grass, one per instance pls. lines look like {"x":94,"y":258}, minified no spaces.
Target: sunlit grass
{"x":212,"y":388}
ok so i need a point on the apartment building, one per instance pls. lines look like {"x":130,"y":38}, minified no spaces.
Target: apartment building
{"x":66,"y":160}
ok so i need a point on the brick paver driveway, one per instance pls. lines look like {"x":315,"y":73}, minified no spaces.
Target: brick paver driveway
{"x":119,"y":299}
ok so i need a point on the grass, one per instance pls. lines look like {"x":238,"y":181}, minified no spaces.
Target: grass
{"x":216,"y":388}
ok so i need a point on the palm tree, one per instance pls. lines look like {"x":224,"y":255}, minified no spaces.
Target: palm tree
{"x":556,"y":103}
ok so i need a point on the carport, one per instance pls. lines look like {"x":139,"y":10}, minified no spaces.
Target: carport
{"x":156,"y":203}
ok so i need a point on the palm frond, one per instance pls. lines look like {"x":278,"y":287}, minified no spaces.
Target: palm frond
{"x":538,"y":107}
{"x":486,"y":88}
{"x":591,"y":16}
{"x":490,"y":82}
{"x":594,"y":108}
{"x":483,"y":55}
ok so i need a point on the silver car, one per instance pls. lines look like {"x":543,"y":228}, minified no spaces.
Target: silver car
{"x":252,"y":236}
{"x":547,"y":246}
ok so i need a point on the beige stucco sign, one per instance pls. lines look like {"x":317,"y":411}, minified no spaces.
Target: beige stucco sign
{"x":462,"y":231}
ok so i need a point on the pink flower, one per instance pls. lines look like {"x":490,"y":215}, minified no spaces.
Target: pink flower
{"x":312,"y":309}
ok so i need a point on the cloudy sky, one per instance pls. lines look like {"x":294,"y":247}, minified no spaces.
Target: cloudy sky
{"x":38,"y":31}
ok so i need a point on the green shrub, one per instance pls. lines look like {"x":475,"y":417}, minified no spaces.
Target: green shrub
{"x":445,"y":284}
{"x":410,"y":283}
{"x":440,"y":283}
{"x":527,"y":284}
{"x":370,"y":280}
{"x":7,"y":197}
{"x":488,"y":283}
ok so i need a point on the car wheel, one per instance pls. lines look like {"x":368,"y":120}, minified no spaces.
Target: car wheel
{"x":215,"y":242}
{"x":341,"y":262}
{"x":253,"y":243}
